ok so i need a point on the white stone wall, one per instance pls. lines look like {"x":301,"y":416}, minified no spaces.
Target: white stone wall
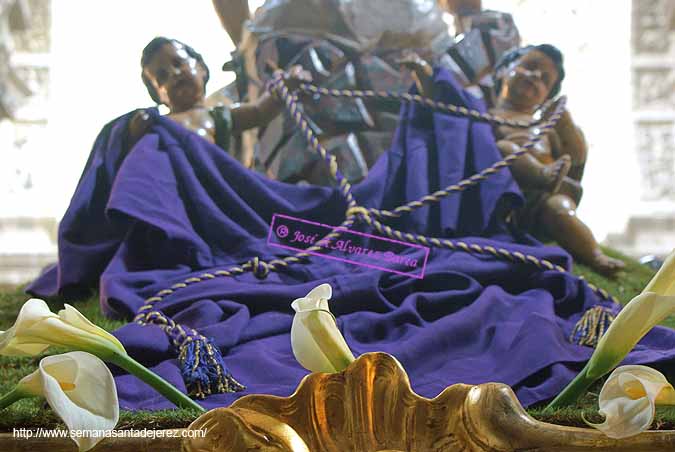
{"x":650,"y":229}
{"x":654,"y":96}
{"x":93,"y":62}
{"x":26,"y":237}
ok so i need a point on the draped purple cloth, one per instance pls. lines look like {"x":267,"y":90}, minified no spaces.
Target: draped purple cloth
{"x":177,"y":206}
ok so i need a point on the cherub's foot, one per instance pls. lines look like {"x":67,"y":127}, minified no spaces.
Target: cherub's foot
{"x":606,"y":265}
{"x":555,"y":173}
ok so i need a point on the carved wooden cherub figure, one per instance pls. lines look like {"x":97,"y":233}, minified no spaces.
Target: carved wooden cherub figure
{"x":176,"y":75}
{"x":550,"y":175}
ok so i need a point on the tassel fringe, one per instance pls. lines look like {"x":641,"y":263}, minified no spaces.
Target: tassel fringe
{"x":591,"y":326}
{"x":204,"y":370}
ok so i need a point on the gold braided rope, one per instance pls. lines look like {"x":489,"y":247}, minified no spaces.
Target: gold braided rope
{"x":291,"y":102}
{"x":355,"y":212}
{"x":421,"y":100}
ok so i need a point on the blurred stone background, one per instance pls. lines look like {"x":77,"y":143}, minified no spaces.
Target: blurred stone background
{"x":69,"y":66}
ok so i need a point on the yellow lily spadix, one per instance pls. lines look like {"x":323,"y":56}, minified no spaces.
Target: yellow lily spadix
{"x":628,"y":400}
{"x":316,"y":341}
{"x":81,"y":390}
{"x":637,"y":318}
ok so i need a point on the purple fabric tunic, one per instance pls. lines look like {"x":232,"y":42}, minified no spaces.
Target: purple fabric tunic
{"x":178,"y":205}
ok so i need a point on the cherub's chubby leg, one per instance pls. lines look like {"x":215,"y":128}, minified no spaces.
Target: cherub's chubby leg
{"x":530,"y":173}
{"x":559,"y":218}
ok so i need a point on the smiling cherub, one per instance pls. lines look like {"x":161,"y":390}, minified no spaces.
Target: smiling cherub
{"x":176,"y":76}
{"x":550,"y":174}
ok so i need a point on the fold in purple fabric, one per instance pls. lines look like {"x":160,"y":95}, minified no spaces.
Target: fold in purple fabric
{"x":176,"y":206}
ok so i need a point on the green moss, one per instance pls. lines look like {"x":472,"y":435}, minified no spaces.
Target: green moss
{"x":626,"y":285}
{"x":587,"y":408}
{"x":35,"y":413}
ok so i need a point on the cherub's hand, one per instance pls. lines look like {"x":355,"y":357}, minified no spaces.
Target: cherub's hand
{"x":554,"y":174}
{"x":295,"y":76}
{"x":422,"y":72}
{"x":549,"y":107}
{"x":138,"y":125}
{"x":414,"y":62}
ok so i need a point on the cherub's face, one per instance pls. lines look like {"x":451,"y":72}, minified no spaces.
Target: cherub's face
{"x":529,"y":80}
{"x":177,"y":77}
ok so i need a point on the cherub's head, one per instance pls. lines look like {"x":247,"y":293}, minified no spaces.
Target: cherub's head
{"x":530,"y":75}
{"x":174,"y":74}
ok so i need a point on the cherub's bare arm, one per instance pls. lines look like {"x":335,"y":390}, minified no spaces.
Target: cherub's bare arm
{"x":255,"y":114}
{"x":527,"y":170}
{"x":233,"y":14}
{"x":461,"y":7}
{"x":570,"y":140}
{"x":260,"y":112}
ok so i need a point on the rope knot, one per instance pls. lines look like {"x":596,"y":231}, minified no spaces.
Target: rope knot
{"x":276,"y":84}
{"x":357,"y":210}
{"x":260,"y":268}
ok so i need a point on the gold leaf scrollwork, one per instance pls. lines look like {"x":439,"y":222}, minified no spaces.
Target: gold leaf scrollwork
{"x":370,"y":407}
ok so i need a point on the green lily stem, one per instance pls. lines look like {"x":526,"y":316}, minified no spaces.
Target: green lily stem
{"x":572,"y":391}
{"x":158,"y":383}
{"x":12,"y":396}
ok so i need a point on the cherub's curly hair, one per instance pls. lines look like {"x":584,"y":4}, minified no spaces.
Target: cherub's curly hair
{"x":549,"y":50}
{"x":152,"y":47}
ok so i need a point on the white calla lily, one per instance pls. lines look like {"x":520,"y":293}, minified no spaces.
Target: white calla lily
{"x":636,"y":319}
{"x":663,"y":283}
{"x":81,"y":390}
{"x":316,"y":341}
{"x":628,"y":400}
{"x":37,"y":328}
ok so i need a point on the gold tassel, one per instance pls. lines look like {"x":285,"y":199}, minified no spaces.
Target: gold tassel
{"x":591,"y":326}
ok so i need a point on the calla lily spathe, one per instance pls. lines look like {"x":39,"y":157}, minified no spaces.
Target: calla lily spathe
{"x":636,"y":319}
{"x":663,"y":282}
{"x":316,"y":341}
{"x":81,"y":390}
{"x":628,"y":400}
{"x":37,"y":328}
